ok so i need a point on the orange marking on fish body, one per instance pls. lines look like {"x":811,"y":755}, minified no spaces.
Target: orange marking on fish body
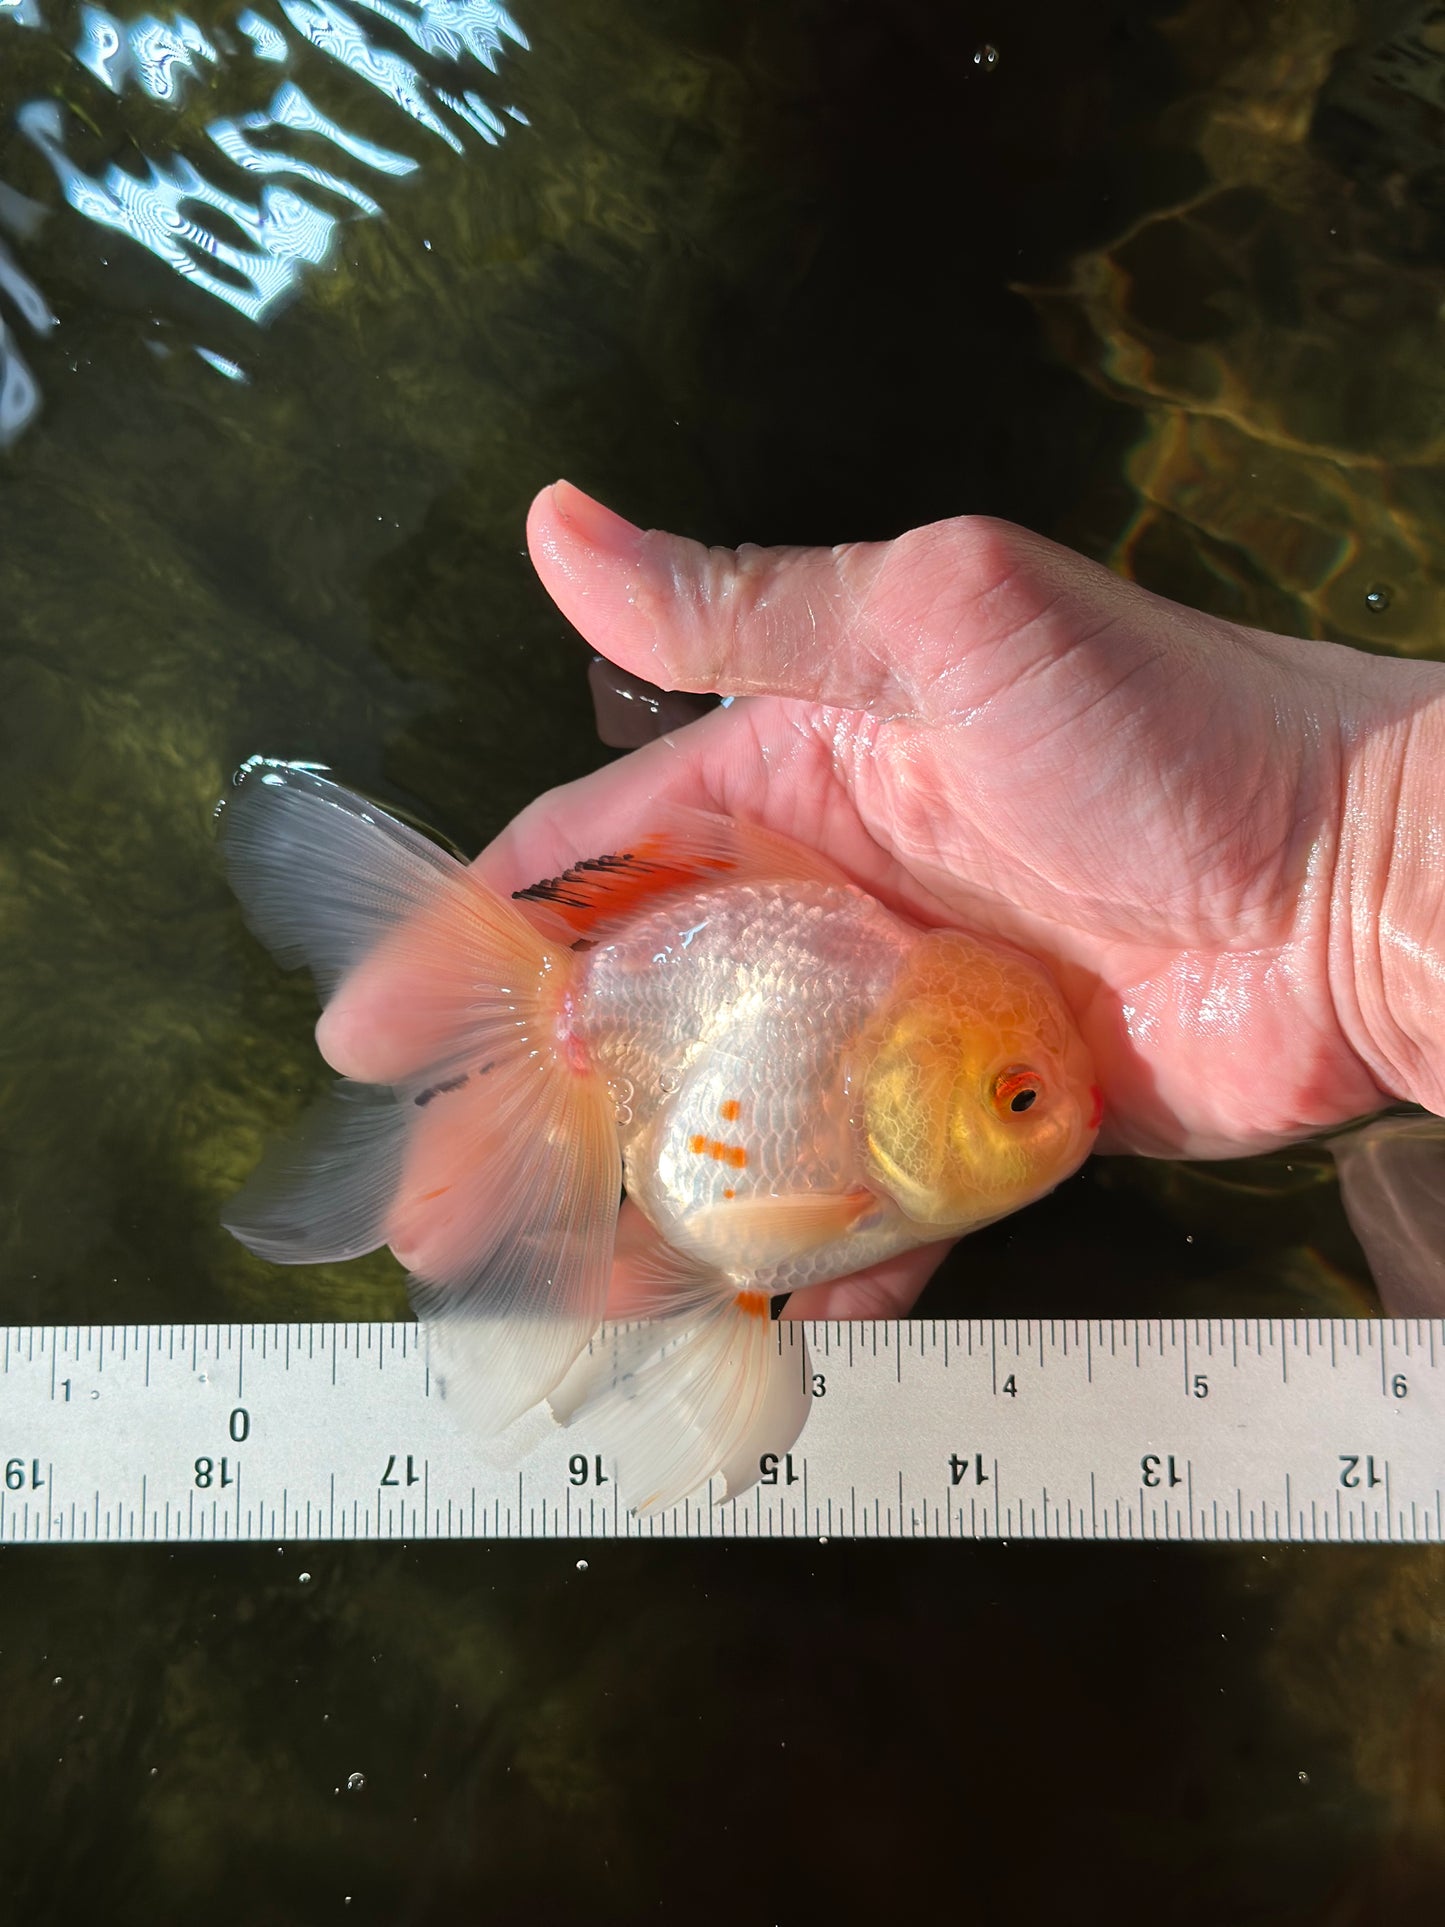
{"x":427,"y":1196}
{"x":729,"y":1194}
{"x":752,"y":1304}
{"x":730,"y":1111}
{"x":720,"y":1153}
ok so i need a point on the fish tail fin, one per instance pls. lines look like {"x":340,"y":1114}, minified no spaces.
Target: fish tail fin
{"x":701,"y":1391}
{"x":480,"y":1143}
{"x":1392,"y":1182}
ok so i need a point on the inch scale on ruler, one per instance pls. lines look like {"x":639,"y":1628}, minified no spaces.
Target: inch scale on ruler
{"x":1215,"y":1429}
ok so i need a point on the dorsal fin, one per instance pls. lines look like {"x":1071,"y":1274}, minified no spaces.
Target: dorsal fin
{"x":684,"y":849}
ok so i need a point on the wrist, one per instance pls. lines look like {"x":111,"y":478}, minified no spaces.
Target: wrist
{"x":1387,"y":937}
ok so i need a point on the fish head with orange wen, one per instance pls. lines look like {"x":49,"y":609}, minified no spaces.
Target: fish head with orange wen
{"x":972,"y":1090}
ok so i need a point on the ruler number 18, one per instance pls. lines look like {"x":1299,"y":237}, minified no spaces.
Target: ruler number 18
{"x":209,"y":1472}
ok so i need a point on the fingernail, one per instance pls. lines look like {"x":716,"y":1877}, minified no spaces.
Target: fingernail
{"x":594,"y":524}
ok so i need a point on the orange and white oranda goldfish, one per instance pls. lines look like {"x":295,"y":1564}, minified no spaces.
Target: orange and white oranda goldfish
{"x":791,"y":1081}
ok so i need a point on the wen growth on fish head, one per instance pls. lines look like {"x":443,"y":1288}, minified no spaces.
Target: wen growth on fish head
{"x":973,"y":1091}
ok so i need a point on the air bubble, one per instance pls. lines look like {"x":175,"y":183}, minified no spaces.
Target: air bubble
{"x":355,"y":1782}
{"x":581,"y":1565}
{"x":986,"y":58}
{"x":1378,"y":598}
{"x":303,"y":1578}
{"x":670,"y":1083}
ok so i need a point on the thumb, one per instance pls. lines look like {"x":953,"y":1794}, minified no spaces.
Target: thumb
{"x":904,"y":628}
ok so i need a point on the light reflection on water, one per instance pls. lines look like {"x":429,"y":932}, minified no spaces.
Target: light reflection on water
{"x":247,"y":230}
{"x":159,"y":55}
{"x":19,"y":392}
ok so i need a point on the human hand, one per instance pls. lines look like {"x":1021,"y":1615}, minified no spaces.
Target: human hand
{"x":1192,"y":823}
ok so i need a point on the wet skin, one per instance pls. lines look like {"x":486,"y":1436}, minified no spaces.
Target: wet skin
{"x":1226,"y":844}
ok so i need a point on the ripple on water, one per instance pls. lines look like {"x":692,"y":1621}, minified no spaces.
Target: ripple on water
{"x":254,"y":214}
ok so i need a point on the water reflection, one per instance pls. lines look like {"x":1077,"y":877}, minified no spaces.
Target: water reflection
{"x":250,"y":225}
{"x":157,"y":54}
{"x":19,"y":392}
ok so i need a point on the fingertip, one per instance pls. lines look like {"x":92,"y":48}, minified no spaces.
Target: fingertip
{"x":376,"y":1030}
{"x":341,"y":1040}
{"x":884,"y":1290}
{"x":571,"y":535}
{"x":589,"y":560}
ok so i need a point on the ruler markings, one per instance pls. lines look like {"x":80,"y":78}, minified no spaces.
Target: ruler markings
{"x":1335,"y":1428}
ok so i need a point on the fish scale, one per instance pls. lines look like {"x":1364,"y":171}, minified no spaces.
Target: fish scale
{"x":739,"y":1019}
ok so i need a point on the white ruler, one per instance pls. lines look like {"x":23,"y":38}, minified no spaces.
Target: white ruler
{"x":1239,"y":1429}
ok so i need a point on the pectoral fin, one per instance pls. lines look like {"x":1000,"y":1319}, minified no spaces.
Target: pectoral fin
{"x":750,"y":1234}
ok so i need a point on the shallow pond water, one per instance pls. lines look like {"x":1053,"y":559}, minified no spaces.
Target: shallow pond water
{"x":301,"y":303}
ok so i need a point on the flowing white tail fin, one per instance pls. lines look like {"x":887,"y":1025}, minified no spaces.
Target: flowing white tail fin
{"x":484,"y":1150}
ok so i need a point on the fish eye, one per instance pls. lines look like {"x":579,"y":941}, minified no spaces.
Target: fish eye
{"x":1016,"y":1090}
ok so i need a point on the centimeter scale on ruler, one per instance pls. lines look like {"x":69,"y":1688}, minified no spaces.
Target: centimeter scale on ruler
{"x":1234,"y":1429}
